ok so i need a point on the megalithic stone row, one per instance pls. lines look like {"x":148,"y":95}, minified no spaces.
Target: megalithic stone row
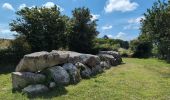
{"x":41,"y":71}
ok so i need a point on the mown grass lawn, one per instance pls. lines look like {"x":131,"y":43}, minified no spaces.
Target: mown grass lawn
{"x":137,"y":79}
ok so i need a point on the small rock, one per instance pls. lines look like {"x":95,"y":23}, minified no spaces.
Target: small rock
{"x":59,"y":75}
{"x":22,"y":79}
{"x":84,"y":70}
{"x":108,"y":58}
{"x":96,"y":70}
{"x":73,"y":71}
{"x":105,"y":64}
{"x":35,"y":89}
{"x":115,"y":54}
{"x":52,"y":85}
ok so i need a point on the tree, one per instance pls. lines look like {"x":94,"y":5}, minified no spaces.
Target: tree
{"x":83,"y":31}
{"x":156,"y":28}
{"x":105,"y":37}
{"x":141,"y":49}
{"x":43,"y":28}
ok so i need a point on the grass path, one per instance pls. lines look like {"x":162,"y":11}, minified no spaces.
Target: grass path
{"x":138,"y":79}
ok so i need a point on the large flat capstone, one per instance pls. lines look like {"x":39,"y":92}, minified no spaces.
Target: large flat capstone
{"x":40,"y":60}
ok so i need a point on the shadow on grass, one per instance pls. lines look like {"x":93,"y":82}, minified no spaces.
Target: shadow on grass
{"x":58,"y":91}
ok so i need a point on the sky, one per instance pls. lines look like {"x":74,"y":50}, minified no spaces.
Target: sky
{"x":118,"y":19}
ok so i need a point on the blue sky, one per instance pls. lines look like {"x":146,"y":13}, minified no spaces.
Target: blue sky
{"x":117,"y":18}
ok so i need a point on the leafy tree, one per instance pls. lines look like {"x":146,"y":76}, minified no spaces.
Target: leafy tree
{"x":105,"y":37}
{"x":43,"y":28}
{"x":156,"y":28}
{"x":141,"y":49}
{"x":83,"y":31}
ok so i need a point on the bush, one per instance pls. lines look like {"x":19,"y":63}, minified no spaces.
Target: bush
{"x":141,"y":49}
{"x":125,"y":52}
{"x":18,"y":48}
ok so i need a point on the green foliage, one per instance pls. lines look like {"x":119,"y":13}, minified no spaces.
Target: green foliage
{"x":15,"y":51}
{"x":20,"y":47}
{"x":141,"y":49}
{"x":83,"y":31}
{"x":43,"y":28}
{"x":105,"y":37}
{"x":125,"y":52}
{"x":156,"y":28}
{"x":103,"y":44}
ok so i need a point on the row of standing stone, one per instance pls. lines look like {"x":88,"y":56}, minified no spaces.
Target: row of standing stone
{"x":41,"y":71}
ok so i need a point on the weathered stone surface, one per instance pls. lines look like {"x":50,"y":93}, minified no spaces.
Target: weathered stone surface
{"x":97,"y":69}
{"x":73,"y":71}
{"x":115,"y":54}
{"x":110,"y":58}
{"x":105,"y":64}
{"x":87,"y":59}
{"x":52,"y":85}
{"x":74,"y":67}
{"x":59,"y":75}
{"x":35,"y":89}
{"x":22,"y":79}
{"x":84,"y":70}
{"x":40,"y":60}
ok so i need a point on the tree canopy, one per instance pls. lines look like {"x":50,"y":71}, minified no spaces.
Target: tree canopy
{"x":156,"y":28}
{"x":43,"y":28}
{"x":83,"y":31}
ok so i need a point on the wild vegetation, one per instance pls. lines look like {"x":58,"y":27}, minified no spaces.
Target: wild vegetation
{"x":46,"y":29}
{"x":155,"y":34}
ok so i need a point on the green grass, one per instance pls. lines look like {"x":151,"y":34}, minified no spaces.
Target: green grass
{"x":138,"y":79}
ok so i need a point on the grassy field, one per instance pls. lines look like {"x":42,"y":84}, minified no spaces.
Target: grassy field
{"x":137,"y":79}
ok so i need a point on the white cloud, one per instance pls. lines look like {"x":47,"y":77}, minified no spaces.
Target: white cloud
{"x":120,"y":35}
{"x":110,"y":36}
{"x":136,"y":20}
{"x":51,"y":4}
{"x":7,"y":34}
{"x":33,"y":6}
{"x":107,"y":27}
{"x":134,"y":23}
{"x":8,"y":6}
{"x":131,"y":26}
{"x":22,"y":6}
{"x":95,"y":17}
{"x":120,"y":5}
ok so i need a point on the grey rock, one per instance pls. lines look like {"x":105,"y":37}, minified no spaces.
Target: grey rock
{"x":108,"y":58}
{"x":87,"y":59}
{"x":115,"y":54}
{"x":59,"y":75}
{"x":105,"y":64}
{"x":22,"y":79}
{"x":84,"y":70}
{"x":35,"y":89}
{"x":52,"y":85}
{"x":41,"y":60}
{"x":73,"y":71}
{"x":96,"y":70}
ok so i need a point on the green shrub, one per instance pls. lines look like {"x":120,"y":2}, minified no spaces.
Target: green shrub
{"x":141,"y":49}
